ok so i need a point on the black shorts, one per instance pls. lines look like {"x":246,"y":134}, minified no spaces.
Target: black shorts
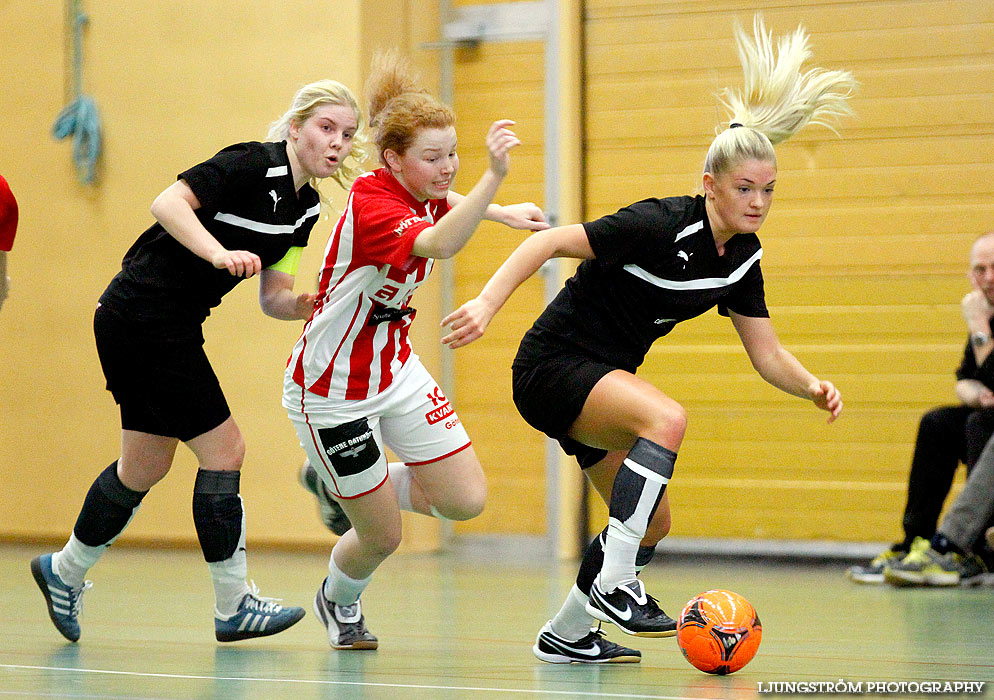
{"x":163,"y":383}
{"x":550,"y":392}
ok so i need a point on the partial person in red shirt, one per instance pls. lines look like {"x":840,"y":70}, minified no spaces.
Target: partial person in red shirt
{"x":8,"y":227}
{"x":353,"y":385}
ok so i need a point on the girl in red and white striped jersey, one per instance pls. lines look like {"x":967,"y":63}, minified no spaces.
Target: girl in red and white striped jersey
{"x":353,"y":383}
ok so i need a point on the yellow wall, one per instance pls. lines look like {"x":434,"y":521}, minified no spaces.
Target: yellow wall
{"x":174,"y":82}
{"x":495,"y":81}
{"x":498,"y":80}
{"x":865,"y":248}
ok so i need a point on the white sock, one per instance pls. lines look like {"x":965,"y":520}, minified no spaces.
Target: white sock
{"x":436,"y":514}
{"x":228,"y":576}
{"x":340,"y":588}
{"x":401,"y":477}
{"x":573,"y":621}
{"x":75,"y":559}
{"x":621,"y":546}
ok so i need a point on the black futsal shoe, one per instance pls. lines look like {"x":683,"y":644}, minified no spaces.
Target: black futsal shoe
{"x":629,"y":608}
{"x":592,"y":648}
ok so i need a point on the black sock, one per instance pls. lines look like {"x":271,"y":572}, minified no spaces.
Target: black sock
{"x":943,"y":545}
{"x":593,"y":558}
{"x":905,"y":546}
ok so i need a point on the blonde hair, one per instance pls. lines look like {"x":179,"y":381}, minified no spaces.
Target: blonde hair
{"x":305,"y":103}
{"x":399,"y":106}
{"x":777,"y":99}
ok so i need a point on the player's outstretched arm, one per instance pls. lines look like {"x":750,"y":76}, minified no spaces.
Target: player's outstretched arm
{"x":526,"y":216}
{"x":780,"y":368}
{"x":447,"y":237}
{"x":175,"y":209}
{"x":469,"y":321}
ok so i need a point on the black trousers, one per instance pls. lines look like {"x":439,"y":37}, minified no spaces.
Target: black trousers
{"x":947,"y":435}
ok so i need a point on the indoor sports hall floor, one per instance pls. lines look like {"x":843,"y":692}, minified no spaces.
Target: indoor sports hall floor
{"x":461,"y":626}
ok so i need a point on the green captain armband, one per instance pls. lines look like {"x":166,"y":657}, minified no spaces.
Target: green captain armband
{"x":289,"y":262}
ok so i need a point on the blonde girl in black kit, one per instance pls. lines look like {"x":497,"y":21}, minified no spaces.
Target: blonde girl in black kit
{"x":246,"y":211}
{"x":646,"y":268}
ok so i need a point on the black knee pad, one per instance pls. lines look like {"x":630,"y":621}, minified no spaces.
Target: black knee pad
{"x":217,"y":513}
{"x":108,"y":507}
{"x":653,"y":457}
{"x":629,"y":484}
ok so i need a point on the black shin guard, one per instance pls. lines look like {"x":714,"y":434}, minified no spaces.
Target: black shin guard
{"x":640,"y":483}
{"x":217,"y":513}
{"x":108,"y":507}
{"x":593,"y":558}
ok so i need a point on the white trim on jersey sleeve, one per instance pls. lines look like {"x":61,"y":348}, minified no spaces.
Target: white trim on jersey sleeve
{"x":260,"y":227}
{"x":703,"y":283}
{"x":693,"y":228}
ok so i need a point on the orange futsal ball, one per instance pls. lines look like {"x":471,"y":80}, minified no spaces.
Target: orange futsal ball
{"x":719,"y":632}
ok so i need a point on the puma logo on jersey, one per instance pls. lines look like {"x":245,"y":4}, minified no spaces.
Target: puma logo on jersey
{"x":684,"y":255}
{"x":276,"y":198}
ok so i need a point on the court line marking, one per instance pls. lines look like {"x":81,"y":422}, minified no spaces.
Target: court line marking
{"x":83,"y":696}
{"x":410,"y":686}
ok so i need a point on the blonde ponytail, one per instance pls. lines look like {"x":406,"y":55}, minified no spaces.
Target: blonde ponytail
{"x":777,"y":99}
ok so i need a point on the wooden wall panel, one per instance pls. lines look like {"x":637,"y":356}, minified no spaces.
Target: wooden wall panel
{"x":865,"y":249}
{"x":145,"y":65}
{"x":497,"y":81}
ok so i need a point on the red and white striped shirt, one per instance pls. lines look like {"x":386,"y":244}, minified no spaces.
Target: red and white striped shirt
{"x":347,"y":350}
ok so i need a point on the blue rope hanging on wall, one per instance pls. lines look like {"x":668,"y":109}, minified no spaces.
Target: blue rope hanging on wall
{"x":80,"y":118}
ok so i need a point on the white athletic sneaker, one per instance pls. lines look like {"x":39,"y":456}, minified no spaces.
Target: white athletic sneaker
{"x":345,"y":624}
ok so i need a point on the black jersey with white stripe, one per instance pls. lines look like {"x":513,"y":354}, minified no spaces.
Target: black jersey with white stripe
{"x":248,"y":202}
{"x":655,"y":265}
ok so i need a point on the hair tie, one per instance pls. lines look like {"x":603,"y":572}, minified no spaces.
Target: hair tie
{"x":733,"y":125}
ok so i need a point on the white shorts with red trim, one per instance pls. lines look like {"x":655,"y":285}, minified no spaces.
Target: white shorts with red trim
{"x":344,"y":439}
